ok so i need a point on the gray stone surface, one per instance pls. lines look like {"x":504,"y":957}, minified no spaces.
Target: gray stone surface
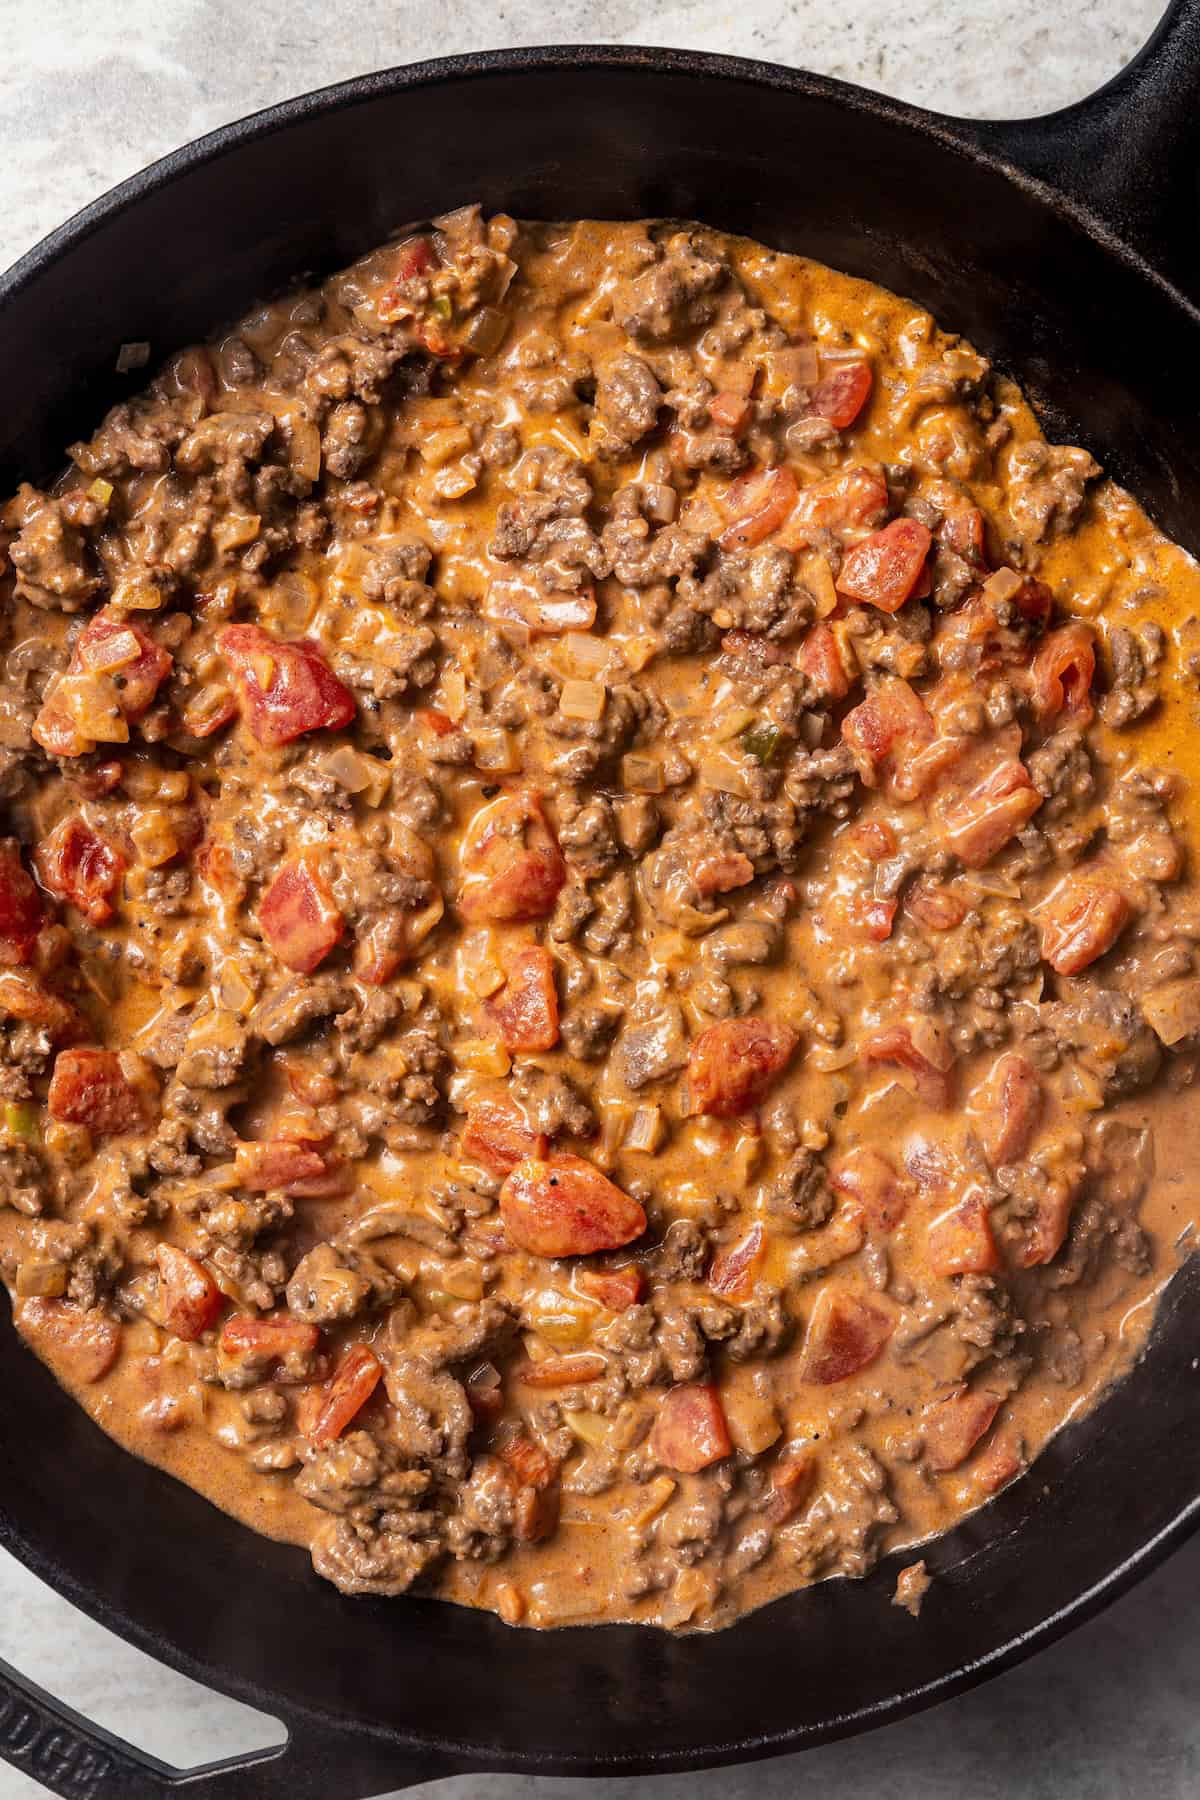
{"x":89,"y":93}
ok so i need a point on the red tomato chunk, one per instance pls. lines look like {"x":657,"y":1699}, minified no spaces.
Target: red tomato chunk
{"x":690,"y":1431}
{"x":564,"y":1206}
{"x":886,"y":568}
{"x":76,"y":865}
{"x":285,"y":689}
{"x":89,"y":1087}
{"x":20,"y":907}
{"x":733,"y":1064}
{"x":298,"y":916}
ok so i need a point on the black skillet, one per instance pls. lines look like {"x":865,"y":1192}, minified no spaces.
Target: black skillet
{"x":1066,"y":248}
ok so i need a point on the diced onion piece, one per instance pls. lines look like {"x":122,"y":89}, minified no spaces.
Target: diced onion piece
{"x":641,"y":774}
{"x":105,"y":654}
{"x":236,"y":529}
{"x":726,"y":774}
{"x":583,"y":700}
{"x":584,"y":654}
{"x":440,"y":446}
{"x":1003,"y":585}
{"x":818,"y":578}
{"x":645,"y":1130}
{"x":92,"y":702}
{"x":454,"y":695}
{"x":484,"y":1056}
{"x":154,"y":837}
{"x":496,"y":751}
{"x":591,"y":1427}
{"x":655,"y":1496}
{"x":731,"y":724}
{"x":347,"y":768}
{"x":638,"y":651}
{"x":794,"y":367}
{"x":485,"y":331}
{"x":464,"y":1280}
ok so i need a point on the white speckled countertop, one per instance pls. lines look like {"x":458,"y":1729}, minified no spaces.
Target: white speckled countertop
{"x":90,"y":93}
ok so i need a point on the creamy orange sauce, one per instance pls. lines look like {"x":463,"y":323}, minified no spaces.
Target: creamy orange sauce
{"x":874,"y":1478}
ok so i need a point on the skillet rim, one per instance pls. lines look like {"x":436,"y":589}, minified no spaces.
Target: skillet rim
{"x":995,"y":145}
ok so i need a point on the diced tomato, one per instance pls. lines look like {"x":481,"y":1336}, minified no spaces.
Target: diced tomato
{"x":139,"y":678}
{"x":733,"y":1063}
{"x":20,"y":907}
{"x":1081,"y":921}
{"x":885,"y":569}
{"x":1006,"y":1108}
{"x":997,"y":1463}
{"x":953,"y":1426}
{"x":82,"y":1344}
{"x":298,"y":916}
{"x":937,"y":908}
{"x":1046,"y":1234}
{"x":275,"y":1335}
{"x":841,"y":396}
{"x":77,"y":865}
{"x":415,"y":256}
{"x":757,"y":502}
{"x":934,"y":1082}
{"x":189,"y":1298}
{"x":278,"y":1165}
{"x":982,"y":812}
{"x":731,"y":411}
{"x":792,"y":1481}
{"x":563,"y":1371}
{"x":885,"y":731}
{"x":526,"y":1013}
{"x":533,"y":1466}
{"x":285,"y":689}
{"x":733,"y":1269}
{"x":499,"y":1136}
{"x":876,"y":1191}
{"x":21,"y":997}
{"x":964,"y":534}
{"x":346,"y":1393}
{"x":820,"y":659}
{"x":845,"y":1334}
{"x":1062,"y":672}
{"x":961,"y":1241}
{"x":840,"y":503}
{"x":512,"y":861}
{"x":618,"y":1289}
{"x":872,"y":915}
{"x":722,"y":872}
{"x":563,"y":1206}
{"x":89,"y":1087}
{"x":689,"y":1430}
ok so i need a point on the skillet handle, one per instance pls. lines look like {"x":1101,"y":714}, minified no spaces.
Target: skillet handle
{"x":1129,"y":153}
{"x":71,"y":1757}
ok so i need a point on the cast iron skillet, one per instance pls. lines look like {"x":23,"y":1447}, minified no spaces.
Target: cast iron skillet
{"x":1066,"y":248}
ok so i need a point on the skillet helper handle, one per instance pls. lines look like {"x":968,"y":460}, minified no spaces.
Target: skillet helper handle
{"x":1130,"y":152}
{"x":71,"y":1757}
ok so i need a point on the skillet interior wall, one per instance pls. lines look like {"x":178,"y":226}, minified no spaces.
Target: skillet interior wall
{"x":862,"y":193}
